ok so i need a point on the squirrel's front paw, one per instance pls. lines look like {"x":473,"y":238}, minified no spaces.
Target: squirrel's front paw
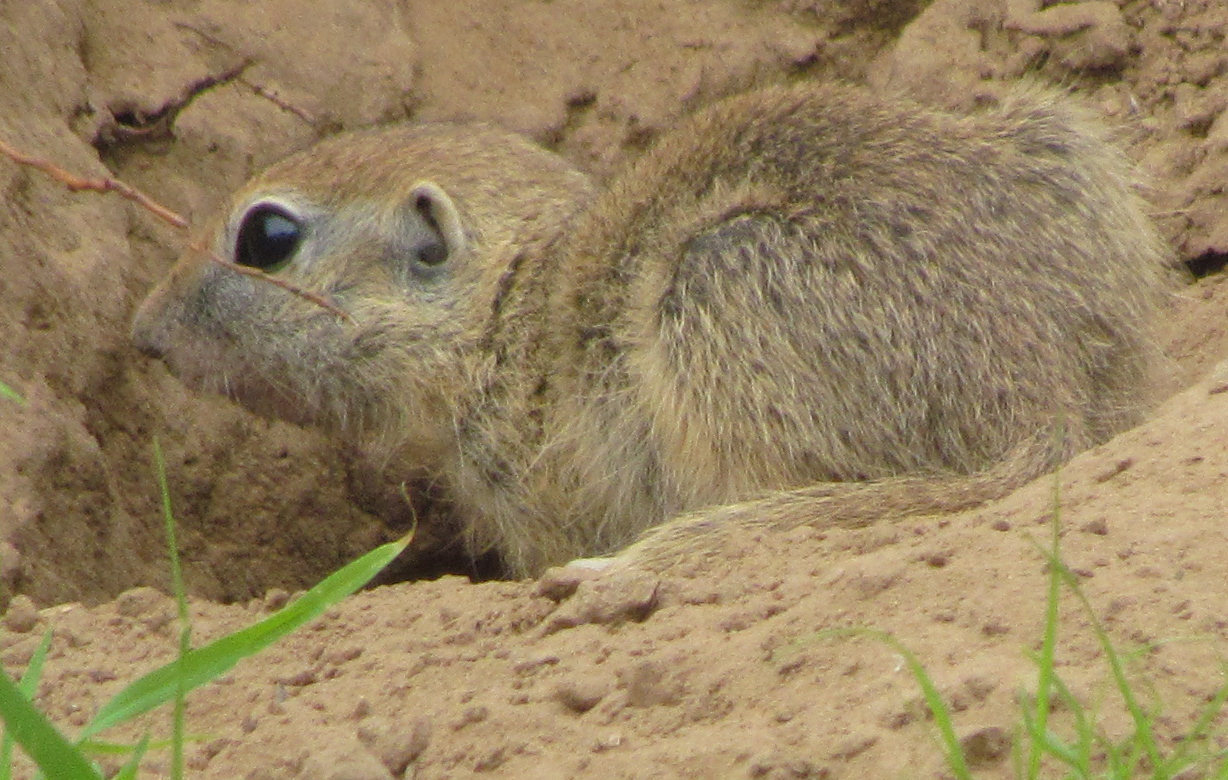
{"x":598,"y":590}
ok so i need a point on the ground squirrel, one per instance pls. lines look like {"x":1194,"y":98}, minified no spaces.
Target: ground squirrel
{"x":804,"y":304}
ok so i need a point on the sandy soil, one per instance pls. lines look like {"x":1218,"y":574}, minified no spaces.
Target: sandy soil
{"x":720,"y":673}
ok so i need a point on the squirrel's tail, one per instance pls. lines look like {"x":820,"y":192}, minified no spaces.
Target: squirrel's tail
{"x":841,"y":505}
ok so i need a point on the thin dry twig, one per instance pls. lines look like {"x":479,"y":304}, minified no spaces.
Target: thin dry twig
{"x":259,"y":89}
{"x":255,"y":273}
{"x":107,"y":184}
{"x":77,"y":183}
{"x":278,"y":101}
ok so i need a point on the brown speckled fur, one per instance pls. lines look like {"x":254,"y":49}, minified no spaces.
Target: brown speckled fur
{"x":806,"y":305}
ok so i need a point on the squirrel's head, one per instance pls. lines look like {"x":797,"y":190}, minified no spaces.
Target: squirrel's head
{"x":405,"y":232}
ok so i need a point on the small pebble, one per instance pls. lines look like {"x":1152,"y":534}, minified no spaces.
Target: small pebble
{"x":1099,"y":527}
{"x":275,"y":599}
{"x":337,"y":760}
{"x":21,"y":616}
{"x":650,"y":684}
{"x":986,"y":746}
{"x":138,"y":602}
{"x":581,"y":694}
{"x":395,"y":744}
{"x":470,"y":716}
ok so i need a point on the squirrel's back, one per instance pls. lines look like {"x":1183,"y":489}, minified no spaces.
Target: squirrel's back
{"x":802,"y":286}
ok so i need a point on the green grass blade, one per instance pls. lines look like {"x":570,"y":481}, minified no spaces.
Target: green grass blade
{"x":1053,"y":745}
{"x":205,"y":663}
{"x":1180,"y":757}
{"x":185,"y":620}
{"x":129,"y":770}
{"x":28,"y":686}
{"x":933,"y":699}
{"x":55,"y":755}
{"x":1044,"y":680}
{"x":99,"y":748}
{"x":34,"y":670}
{"x":1221,"y":772}
{"x":1144,"y":722}
{"x":11,"y":394}
{"x":1048,"y":743}
{"x":1079,"y":756}
{"x":938,"y":707}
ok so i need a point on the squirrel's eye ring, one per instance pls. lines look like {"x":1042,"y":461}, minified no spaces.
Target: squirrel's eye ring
{"x":268,"y":237}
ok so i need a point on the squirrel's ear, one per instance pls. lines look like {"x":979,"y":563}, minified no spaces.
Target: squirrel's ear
{"x":437,"y":233}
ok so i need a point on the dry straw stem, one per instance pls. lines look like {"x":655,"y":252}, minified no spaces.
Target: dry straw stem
{"x":76,"y":184}
{"x":106,"y":184}
{"x":278,"y":101}
{"x":267,"y":93}
{"x":262,"y":91}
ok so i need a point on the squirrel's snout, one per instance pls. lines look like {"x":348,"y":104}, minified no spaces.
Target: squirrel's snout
{"x":146,"y":335}
{"x":148,"y":348}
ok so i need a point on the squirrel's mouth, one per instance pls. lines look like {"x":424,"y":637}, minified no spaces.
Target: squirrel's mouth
{"x":304,"y":385}
{"x":264,"y":399}
{"x":251,"y":389}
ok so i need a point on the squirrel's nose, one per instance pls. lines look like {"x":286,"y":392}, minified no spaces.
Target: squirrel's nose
{"x":149,"y":349}
{"x":146,"y":336}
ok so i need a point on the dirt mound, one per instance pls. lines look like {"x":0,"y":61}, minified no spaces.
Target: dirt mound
{"x":185,"y":100}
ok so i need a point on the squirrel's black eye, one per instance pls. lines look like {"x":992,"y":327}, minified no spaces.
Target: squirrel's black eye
{"x":268,"y":238}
